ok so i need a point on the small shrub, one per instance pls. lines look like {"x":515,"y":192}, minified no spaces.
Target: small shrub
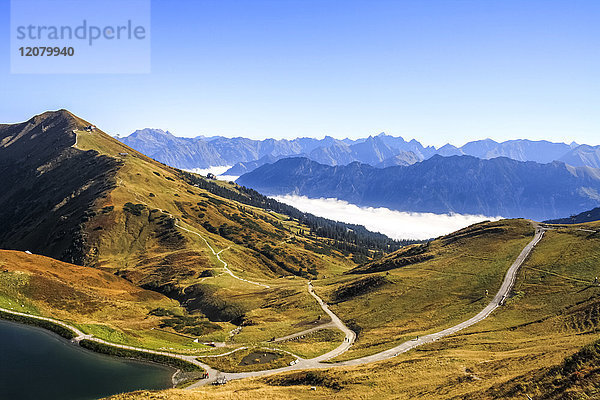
{"x":135,"y":209}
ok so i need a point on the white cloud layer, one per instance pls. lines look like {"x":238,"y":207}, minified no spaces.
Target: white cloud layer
{"x":395,"y":224}
{"x":218,"y":171}
{"x":215,"y":170}
{"x":228,"y":178}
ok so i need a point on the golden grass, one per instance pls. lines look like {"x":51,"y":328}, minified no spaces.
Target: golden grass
{"x":233,"y":362}
{"x":97,"y":302}
{"x":312,"y":344}
{"x":550,"y":316}
{"x":428,"y":296}
{"x":129,"y":244}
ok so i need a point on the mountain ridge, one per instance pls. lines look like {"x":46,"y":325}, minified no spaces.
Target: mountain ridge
{"x":456,"y":184}
{"x":34,"y":155}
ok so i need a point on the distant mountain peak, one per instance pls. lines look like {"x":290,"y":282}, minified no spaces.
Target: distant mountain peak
{"x":151,"y":132}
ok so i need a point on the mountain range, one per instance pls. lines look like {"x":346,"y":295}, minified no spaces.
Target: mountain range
{"x":380,"y":151}
{"x":457,"y":184}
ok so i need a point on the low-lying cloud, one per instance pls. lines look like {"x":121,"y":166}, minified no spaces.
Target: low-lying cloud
{"x":395,"y":224}
{"x":217,"y":171}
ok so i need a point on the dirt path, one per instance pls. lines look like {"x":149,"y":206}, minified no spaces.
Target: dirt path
{"x":218,"y":255}
{"x":350,"y":334}
{"x":507,"y":285}
{"x":304,"y":332}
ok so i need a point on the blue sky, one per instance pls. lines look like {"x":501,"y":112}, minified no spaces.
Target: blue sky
{"x":438,"y":71}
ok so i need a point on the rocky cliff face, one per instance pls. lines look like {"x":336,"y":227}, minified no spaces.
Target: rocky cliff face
{"x":583,"y":155}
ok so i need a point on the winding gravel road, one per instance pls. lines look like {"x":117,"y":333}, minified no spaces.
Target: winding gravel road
{"x":317,"y":362}
{"x":218,"y":255}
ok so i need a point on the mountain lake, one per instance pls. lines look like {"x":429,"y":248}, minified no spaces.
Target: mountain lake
{"x":37,"y":364}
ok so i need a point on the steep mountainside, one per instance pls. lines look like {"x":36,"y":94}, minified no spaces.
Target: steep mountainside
{"x":540,"y":151}
{"x":338,"y":153}
{"x":48,"y":186}
{"x":583,"y":155}
{"x":460,"y":184}
{"x":246,"y":155}
{"x":373,"y":151}
{"x":201,"y":152}
{"x":422,"y":152}
{"x":242,"y":168}
{"x":172,"y":150}
{"x":403,"y":159}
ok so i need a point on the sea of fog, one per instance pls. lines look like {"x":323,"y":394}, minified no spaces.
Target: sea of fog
{"x":217,"y":171}
{"x":395,"y":224}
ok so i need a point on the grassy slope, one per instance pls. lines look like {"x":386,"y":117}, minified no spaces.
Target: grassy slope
{"x":261,"y":246}
{"x":140,"y":242}
{"x":520,"y":349}
{"x":96,"y":301}
{"x":552,"y":315}
{"x":426,"y":296}
{"x":312,"y":344}
{"x":49,"y":187}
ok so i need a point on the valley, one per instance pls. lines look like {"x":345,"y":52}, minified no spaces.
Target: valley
{"x":349,"y":339}
{"x":312,"y":200}
{"x":210,"y":276}
{"x":539,"y":332}
{"x":440,"y":185}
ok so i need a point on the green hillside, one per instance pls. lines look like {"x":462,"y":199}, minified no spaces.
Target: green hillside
{"x":164,"y":259}
{"x":542,"y":343}
{"x":425,"y":288}
{"x":85,"y":198}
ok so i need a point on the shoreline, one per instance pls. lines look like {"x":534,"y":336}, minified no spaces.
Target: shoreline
{"x":71,"y":334}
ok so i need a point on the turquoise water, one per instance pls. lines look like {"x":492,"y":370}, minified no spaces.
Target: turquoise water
{"x":36,"y":364}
